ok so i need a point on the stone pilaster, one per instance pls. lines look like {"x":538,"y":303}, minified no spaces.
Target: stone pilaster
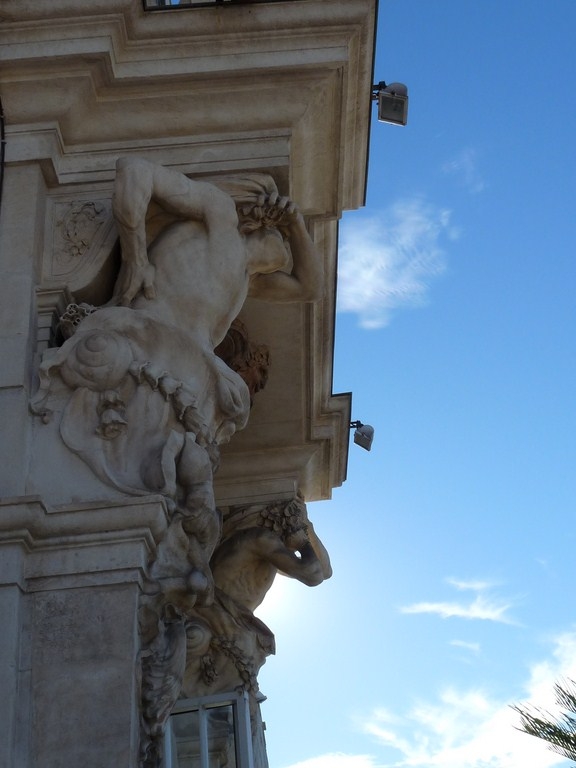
{"x":70,"y":586}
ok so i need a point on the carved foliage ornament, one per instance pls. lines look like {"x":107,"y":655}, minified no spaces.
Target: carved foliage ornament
{"x":77,"y":227}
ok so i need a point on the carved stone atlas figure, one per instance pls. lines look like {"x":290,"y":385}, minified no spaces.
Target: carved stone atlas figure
{"x":143,"y":399}
{"x":148,"y":400}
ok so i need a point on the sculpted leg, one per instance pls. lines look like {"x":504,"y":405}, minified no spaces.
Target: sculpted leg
{"x":201,"y":520}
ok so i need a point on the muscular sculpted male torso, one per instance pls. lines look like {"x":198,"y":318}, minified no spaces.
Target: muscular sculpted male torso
{"x":201,"y":279}
{"x":200,"y":268}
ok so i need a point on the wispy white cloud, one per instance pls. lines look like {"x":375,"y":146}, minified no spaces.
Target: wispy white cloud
{"x":470,"y":729}
{"x":464,"y":168}
{"x":465,"y":728}
{"x":473,"y":647}
{"x":339,"y":760}
{"x":387,"y":262}
{"x":474,"y":585}
{"x":482,"y":607}
{"x":561,"y":664}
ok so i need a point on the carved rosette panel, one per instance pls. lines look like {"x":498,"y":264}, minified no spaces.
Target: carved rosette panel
{"x":80,"y":238}
{"x":76,"y":230}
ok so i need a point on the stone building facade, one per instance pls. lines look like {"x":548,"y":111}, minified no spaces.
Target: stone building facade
{"x":172,"y":183}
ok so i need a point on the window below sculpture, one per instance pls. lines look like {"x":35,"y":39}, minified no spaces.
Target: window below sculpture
{"x":209,"y":732}
{"x":161,"y":5}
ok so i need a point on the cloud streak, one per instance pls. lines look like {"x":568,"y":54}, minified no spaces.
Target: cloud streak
{"x":464,"y":728}
{"x":481,"y":607}
{"x":387,"y":262}
{"x":475,"y":586}
{"x":339,"y":760}
{"x":473,"y":647}
{"x":470,"y":728}
{"x":464,"y":168}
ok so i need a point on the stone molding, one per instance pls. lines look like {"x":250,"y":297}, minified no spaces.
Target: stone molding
{"x":173,"y":73}
{"x":118,"y":605}
{"x":80,"y":545}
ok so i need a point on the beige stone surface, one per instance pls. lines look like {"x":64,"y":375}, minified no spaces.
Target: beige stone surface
{"x":70,"y":585}
{"x":84,"y":655}
{"x":276,"y":88}
{"x":112,"y":72}
{"x":280,"y":87}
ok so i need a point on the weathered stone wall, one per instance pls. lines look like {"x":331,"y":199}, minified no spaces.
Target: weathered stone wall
{"x":117,"y":581}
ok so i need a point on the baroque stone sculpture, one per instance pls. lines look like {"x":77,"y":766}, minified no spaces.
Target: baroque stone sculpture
{"x":258,"y":541}
{"x":220,"y":646}
{"x":145,"y":399}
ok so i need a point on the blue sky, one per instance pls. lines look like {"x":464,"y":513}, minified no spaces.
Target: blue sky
{"x":452,"y":541}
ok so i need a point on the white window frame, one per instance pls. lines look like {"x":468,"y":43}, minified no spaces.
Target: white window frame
{"x":242,"y":726}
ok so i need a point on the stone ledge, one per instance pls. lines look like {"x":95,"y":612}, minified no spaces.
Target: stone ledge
{"x":85,"y":545}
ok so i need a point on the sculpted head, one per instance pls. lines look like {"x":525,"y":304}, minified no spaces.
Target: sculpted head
{"x":265,"y":246}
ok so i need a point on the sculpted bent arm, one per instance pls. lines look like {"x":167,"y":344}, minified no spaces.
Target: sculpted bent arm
{"x":319,"y":551}
{"x":138,"y":182}
{"x":305,"y":283}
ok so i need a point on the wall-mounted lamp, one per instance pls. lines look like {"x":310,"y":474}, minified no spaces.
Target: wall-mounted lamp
{"x":364,"y":434}
{"x":392,"y":102}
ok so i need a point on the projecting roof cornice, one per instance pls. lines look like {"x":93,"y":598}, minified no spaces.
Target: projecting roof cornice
{"x":103,"y":73}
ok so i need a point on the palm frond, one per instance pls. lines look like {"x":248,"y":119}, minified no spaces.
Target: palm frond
{"x":558,"y":731}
